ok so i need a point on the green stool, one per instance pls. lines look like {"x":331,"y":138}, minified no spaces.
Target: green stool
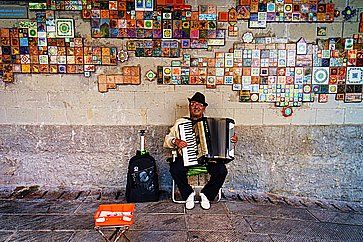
{"x":194,"y":171}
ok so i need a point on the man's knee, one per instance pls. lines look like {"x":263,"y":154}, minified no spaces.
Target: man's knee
{"x":173,"y":168}
{"x":223,"y":170}
{"x":176,"y":168}
{"x":218,"y":169}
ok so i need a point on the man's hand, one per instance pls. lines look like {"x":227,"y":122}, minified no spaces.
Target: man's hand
{"x":180,"y":143}
{"x":234,"y":138}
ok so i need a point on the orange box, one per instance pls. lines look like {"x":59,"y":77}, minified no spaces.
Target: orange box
{"x":114,"y":215}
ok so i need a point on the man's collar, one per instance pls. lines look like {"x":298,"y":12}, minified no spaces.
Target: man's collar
{"x":196,"y":119}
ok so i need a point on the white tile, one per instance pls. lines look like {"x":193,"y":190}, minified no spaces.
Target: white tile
{"x":181,"y":112}
{"x":273,"y":116}
{"x":330,"y":116}
{"x":78,"y":116}
{"x":52,"y":116}
{"x":219,"y":112}
{"x":149,"y":100}
{"x":303,"y":116}
{"x":248,"y":116}
{"x":353,"y":116}
{"x":9,"y":99}
{"x":132,"y":117}
{"x":22,"y":115}
{"x":2,"y":115}
{"x":158,"y":116}
{"x":102,"y":116}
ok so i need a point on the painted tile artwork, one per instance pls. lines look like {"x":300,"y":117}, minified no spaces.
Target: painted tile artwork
{"x":259,"y":13}
{"x":64,"y":28}
{"x":130,"y":76}
{"x":261,"y":69}
{"x":276,"y":72}
{"x":48,"y":46}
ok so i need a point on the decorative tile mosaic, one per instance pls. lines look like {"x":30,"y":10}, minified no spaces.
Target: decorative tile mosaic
{"x":26,"y":49}
{"x":273,"y":70}
{"x":258,"y":13}
{"x":263,"y":69}
{"x":154,"y":48}
{"x":131,"y":75}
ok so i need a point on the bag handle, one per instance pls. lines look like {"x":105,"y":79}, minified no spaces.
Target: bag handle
{"x":142,"y":141}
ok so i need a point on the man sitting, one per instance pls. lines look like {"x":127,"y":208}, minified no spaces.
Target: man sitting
{"x":178,"y":171}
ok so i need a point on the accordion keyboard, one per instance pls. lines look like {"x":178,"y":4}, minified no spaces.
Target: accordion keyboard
{"x":190,"y":152}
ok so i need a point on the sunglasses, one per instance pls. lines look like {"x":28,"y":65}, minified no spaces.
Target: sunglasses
{"x":196,"y":104}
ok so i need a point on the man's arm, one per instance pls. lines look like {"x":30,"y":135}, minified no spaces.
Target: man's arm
{"x":172,"y":140}
{"x":169,"y":141}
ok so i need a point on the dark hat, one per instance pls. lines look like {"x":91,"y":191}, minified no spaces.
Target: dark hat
{"x":198,"y":97}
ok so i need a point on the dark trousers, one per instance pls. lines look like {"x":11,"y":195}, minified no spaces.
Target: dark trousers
{"x":217,"y":171}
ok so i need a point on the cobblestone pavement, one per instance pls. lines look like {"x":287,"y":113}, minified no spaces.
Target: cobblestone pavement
{"x":33,"y":215}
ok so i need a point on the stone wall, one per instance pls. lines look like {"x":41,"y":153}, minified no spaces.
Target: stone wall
{"x":58,"y":130}
{"x":308,"y":161}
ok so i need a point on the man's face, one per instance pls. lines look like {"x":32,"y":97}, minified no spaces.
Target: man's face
{"x":196,"y":109}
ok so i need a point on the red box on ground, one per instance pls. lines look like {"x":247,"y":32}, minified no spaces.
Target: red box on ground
{"x":114,"y":215}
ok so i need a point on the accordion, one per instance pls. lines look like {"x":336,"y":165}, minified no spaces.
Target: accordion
{"x":208,"y":139}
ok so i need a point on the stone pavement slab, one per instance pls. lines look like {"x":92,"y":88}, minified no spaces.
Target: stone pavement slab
{"x":209,"y":222}
{"x":213,"y":236}
{"x":21,"y":207}
{"x":274,"y":225}
{"x":299,"y":238}
{"x":5,"y":234}
{"x":312,"y":229}
{"x":249,"y":209}
{"x":42,"y":207}
{"x":337,"y":217}
{"x":46,"y":222}
{"x":68,"y":216}
{"x":164,"y":236}
{"x":159,"y":222}
{"x":88,"y":207}
{"x":255,"y":237}
{"x":61,"y":236}
{"x":86,"y":235}
{"x":218,"y":208}
{"x":160,"y":207}
{"x":240,"y":223}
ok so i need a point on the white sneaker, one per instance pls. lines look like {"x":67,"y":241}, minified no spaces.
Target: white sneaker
{"x":189,"y":203}
{"x":205,"y":204}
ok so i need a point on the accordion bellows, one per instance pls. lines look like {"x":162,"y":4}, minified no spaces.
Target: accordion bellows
{"x":209,"y":139}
